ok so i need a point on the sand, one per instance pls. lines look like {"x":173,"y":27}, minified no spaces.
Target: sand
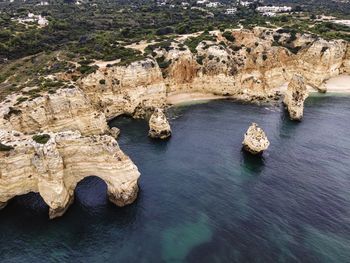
{"x":339,"y":84}
{"x":182,"y":98}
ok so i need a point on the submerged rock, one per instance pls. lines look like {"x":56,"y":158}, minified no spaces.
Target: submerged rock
{"x":159,"y":126}
{"x":54,"y":167}
{"x":255,"y":140}
{"x":295,"y":96}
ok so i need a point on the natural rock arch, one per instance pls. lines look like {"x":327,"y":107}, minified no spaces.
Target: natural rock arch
{"x":53,"y":169}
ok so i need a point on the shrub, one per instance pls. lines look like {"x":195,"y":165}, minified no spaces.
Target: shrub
{"x":5,"y":148}
{"x":162,"y":63}
{"x":200,"y":60}
{"x":102,"y":81}
{"x":41,"y":138}
{"x":12,"y":111}
{"x":164,"y":31}
{"x":228,"y":35}
{"x":21,"y":99}
{"x":85,"y":62}
{"x":193,"y":42}
{"x":85,"y":69}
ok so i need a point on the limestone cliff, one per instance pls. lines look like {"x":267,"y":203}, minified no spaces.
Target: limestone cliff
{"x":251,"y":65}
{"x":55,"y":166}
{"x":295,"y":96}
{"x":254,"y":66}
{"x":159,"y":126}
{"x":127,"y":90}
{"x":67,"y":109}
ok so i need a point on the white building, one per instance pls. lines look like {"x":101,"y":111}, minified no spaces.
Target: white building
{"x":42,"y":21}
{"x":31,"y":18}
{"x":212,"y":4}
{"x":245,"y":3}
{"x":231,"y":11}
{"x":270,"y":14}
{"x":273,"y":9}
{"x":201,"y":2}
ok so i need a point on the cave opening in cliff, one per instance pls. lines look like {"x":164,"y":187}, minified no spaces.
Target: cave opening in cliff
{"x":91,"y":194}
{"x":27,"y":205}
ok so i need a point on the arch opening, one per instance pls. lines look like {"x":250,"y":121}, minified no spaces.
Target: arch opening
{"x":29,"y":204}
{"x":91,"y":192}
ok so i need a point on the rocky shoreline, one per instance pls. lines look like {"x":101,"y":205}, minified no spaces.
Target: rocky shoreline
{"x":253,"y":68}
{"x":53,"y":163}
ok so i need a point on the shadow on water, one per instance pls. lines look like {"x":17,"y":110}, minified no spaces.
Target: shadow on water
{"x":252,"y":164}
{"x":91,"y":203}
{"x":287,"y":127}
{"x":28,"y":205}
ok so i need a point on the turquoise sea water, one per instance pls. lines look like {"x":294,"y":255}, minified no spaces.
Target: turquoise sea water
{"x":204,"y":200}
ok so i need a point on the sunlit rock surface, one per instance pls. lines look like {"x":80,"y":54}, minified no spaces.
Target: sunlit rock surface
{"x":295,"y":96}
{"x":54,"y":167}
{"x":255,"y":140}
{"x":159,"y":126}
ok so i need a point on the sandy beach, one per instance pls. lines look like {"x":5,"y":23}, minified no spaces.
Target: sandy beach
{"x":339,"y":84}
{"x":182,"y":98}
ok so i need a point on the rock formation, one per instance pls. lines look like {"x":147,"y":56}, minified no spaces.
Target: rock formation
{"x":67,"y":109}
{"x":114,"y":132}
{"x":295,"y":96}
{"x":252,"y":67}
{"x":255,"y":140}
{"x":130,"y":89}
{"x":53,"y":164}
{"x":159,"y":126}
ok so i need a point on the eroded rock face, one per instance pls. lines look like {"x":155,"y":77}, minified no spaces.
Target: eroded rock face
{"x":127,"y":90}
{"x":67,"y":109}
{"x":54,"y":168}
{"x":114,"y":132}
{"x":295,"y":96}
{"x":159,"y":126}
{"x":253,"y":67}
{"x":255,"y":140}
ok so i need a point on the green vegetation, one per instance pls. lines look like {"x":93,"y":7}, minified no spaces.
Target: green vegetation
{"x":160,"y":45}
{"x":86,"y":69}
{"x":228,"y":35}
{"x":5,"y":148}
{"x":78,"y":35}
{"x":163,"y":63}
{"x":41,"y":138}
{"x":193,"y":42}
{"x":12,"y":111}
{"x":332,"y":31}
{"x":200,"y":59}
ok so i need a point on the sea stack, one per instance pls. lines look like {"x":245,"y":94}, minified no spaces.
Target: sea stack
{"x":159,"y":126}
{"x":255,"y":140}
{"x":295,"y":96}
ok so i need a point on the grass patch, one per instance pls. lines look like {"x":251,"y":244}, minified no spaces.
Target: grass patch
{"x":41,"y":138}
{"x":5,"y":148}
{"x":193,"y":42}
